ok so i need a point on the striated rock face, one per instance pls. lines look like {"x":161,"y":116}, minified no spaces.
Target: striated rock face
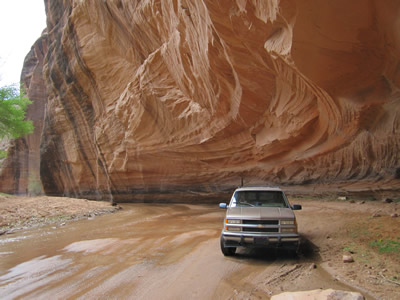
{"x":160,"y":96}
{"x":20,"y":172}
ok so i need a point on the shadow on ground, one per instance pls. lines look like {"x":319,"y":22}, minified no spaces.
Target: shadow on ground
{"x":307,"y":252}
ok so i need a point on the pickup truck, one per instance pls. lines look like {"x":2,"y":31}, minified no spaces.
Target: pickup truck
{"x":259,"y":217}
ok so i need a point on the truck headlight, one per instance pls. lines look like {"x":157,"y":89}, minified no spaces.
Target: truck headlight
{"x":288,"y":222}
{"x":233,"y":221}
{"x":289,"y":230}
{"x":233,"y":228}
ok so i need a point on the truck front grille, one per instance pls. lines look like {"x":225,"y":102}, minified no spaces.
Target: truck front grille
{"x":261,"y":222}
{"x":255,"y":229}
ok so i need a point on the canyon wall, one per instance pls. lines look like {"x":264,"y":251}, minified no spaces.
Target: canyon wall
{"x":188,"y":96}
{"x":20,"y":172}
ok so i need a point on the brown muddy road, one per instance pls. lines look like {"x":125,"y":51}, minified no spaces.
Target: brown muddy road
{"x":148,"y":252}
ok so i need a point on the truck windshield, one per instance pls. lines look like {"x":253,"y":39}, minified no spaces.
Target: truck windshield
{"x":259,"y":198}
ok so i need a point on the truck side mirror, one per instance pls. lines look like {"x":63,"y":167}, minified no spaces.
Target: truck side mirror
{"x":296,"y":207}
{"x":223,"y":205}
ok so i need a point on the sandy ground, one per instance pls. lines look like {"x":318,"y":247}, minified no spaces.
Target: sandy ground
{"x":368,"y":231}
{"x":24,"y":212}
{"x":149,"y":251}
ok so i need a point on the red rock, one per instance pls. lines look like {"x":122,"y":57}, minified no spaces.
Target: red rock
{"x":181,"y":101}
{"x":348,"y":259}
{"x":319,"y":295}
{"x":20,"y":173}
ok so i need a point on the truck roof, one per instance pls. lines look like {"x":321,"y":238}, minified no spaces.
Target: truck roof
{"x":259,"y":188}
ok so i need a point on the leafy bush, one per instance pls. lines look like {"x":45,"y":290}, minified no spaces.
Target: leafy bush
{"x":13,"y":106}
{"x":3,"y":154}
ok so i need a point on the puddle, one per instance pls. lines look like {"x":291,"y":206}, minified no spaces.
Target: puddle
{"x":91,"y":246}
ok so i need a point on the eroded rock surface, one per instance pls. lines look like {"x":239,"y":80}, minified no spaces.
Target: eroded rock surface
{"x":159,"y":96}
{"x":20,"y":172}
{"x":319,"y":295}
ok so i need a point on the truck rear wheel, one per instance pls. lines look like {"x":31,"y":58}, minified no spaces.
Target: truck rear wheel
{"x":227,"y":251}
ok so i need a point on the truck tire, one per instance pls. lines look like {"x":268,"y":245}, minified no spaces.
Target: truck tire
{"x":227,"y":251}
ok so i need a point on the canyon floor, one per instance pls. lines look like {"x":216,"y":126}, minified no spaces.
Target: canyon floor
{"x":171,"y":251}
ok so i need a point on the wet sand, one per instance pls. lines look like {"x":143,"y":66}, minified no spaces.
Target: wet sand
{"x":150,"y":251}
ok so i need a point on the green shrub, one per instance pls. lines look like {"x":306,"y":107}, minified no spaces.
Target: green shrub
{"x":3,"y":154}
{"x":386,"y":246}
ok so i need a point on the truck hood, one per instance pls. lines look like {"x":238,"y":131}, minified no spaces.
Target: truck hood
{"x":257,"y":213}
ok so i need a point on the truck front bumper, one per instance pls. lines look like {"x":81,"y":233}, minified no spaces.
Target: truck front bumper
{"x":248,"y":240}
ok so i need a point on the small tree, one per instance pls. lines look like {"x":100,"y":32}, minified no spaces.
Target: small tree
{"x":13,"y":105}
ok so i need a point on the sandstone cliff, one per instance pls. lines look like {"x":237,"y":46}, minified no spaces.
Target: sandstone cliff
{"x":190,"y":95}
{"x":20,"y":172}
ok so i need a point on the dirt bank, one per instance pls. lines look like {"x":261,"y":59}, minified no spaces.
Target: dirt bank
{"x":25,"y":212}
{"x":367,"y":231}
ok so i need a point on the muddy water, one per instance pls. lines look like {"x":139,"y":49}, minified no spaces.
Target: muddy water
{"x":145,"y":252}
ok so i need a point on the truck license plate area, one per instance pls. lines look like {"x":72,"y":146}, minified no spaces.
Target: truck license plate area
{"x":261,"y":241}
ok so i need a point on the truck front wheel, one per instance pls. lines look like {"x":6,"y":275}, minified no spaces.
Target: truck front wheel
{"x":227,"y":251}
